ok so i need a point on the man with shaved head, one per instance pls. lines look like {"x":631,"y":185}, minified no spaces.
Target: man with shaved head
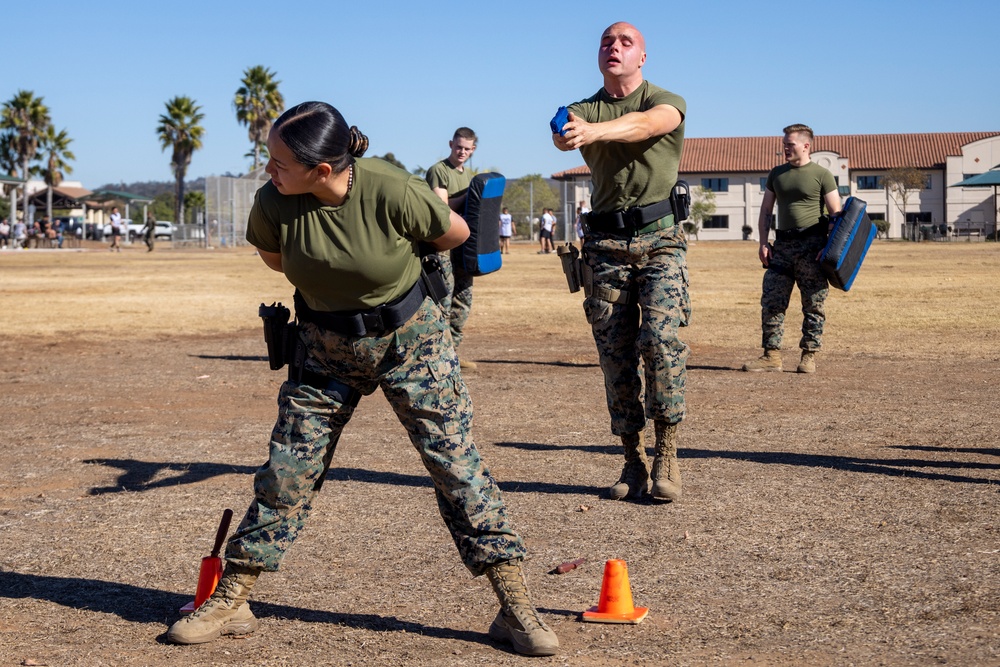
{"x":630,"y":134}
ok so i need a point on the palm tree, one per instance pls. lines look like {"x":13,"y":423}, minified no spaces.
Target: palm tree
{"x":179,"y":129}
{"x":258,"y":103}
{"x":55,"y":147}
{"x":8,"y":165}
{"x":28,"y":119}
{"x":195,"y":200}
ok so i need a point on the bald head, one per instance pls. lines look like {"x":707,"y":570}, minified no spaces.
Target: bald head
{"x":621,"y":57}
{"x":623,"y":28}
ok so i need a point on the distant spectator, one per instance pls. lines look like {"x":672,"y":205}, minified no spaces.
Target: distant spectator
{"x":20,"y":235}
{"x":506,"y":231}
{"x":116,"y":230}
{"x":545,"y":233}
{"x":56,"y":232}
{"x":149,"y":232}
{"x":4,"y":233}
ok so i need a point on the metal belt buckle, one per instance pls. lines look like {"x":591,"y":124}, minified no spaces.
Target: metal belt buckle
{"x":373,"y":322}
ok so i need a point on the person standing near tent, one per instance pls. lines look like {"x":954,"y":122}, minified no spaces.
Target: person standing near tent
{"x":116,"y":230}
{"x":631,"y":134}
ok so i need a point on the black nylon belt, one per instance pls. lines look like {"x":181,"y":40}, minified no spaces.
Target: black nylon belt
{"x":631,"y":221}
{"x":370,"y":322}
{"x":819,"y":229}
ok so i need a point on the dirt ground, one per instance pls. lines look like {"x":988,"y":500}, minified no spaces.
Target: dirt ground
{"x":844,"y":518}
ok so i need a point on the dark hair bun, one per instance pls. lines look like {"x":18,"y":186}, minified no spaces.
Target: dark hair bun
{"x":359,"y":142}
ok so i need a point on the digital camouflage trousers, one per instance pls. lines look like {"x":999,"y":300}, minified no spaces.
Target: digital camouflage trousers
{"x":794,"y":263}
{"x":417,"y":370}
{"x":651,"y":270}
{"x":458,"y":304}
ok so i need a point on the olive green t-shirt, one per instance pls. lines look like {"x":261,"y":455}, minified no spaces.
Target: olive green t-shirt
{"x":631,"y":174}
{"x":360,"y":254}
{"x":799,"y":191}
{"x":445,"y":176}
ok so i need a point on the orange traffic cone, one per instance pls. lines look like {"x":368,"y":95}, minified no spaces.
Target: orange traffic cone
{"x":615,"y":605}
{"x":211,"y":568}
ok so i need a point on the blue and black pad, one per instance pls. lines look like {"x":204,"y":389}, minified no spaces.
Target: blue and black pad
{"x":480,"y":253}
{"x":847,"y":244}
{"x":558,"y":121}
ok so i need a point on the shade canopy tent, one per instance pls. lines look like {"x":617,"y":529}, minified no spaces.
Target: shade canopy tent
{"x":105,"y":197}
{"x":7,"y":179}
{"x":62,"y":197}
{"x":989,"y":179}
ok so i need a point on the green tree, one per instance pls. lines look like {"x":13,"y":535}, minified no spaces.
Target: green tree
{"x":901,"y":183}
{"x":55,"y":152}
{"x":164,"y":206}
{"x":527,"y":195}
{"x":194,"y":201}
{"x":179,"y":130}
{"x":391,"y":159}
{"x":881,"y":228}
{"x":27,"y":117}
{"x":702,"y":209}
{"x":258,"y":103}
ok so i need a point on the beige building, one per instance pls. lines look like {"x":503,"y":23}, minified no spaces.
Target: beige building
{"x":735,"y":169}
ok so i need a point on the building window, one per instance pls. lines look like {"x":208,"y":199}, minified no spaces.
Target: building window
{"x":717,"y":222}
{"x":844,"y":190}
{"x":922,"y":216}
{"x":876,"y":216}
{"x":869,"y":182}
{"x":927,"y":183}
{"x":763,"y":183}
{"x":715,"y":184}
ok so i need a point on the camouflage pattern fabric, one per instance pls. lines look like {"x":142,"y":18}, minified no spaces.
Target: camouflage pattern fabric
{"x":653,"y":269}
{"x":458,"y":304}
{"x":794,"y":263}
{"x":417,"y":370}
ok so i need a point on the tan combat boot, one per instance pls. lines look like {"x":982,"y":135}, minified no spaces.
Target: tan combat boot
{"x":635,"y":477}
{"x":517,"y":622}
{"x":666,"y":473}
{"x":769,"y":361}
{"x":808,"y":362}
{"x":225,"y":613}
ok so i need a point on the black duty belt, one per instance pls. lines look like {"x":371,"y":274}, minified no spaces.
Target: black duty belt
{"x":375,"y":321}
{"x":819,"y":229}
{"x":632,"y":221}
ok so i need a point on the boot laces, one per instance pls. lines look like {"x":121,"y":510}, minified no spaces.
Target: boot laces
{"x":517,"y":604}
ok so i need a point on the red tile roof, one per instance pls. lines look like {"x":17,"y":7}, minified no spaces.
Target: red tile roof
{"x":865,"y":151}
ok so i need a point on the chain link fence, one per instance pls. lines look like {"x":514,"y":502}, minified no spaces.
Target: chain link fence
{"x":228,"y":201}
{"x":227,"y":206}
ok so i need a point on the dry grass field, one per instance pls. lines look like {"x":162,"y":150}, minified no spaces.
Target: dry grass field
{"x":844,"y":518}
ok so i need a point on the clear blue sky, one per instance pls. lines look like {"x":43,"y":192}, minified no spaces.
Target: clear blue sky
{"x":409,"y":73}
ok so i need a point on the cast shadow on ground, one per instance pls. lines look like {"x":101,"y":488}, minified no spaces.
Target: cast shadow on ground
{"x":229,"y":357}
{"x":138,"y":476}
{"x":146,"y":475}
{"x":543,"y":447}
{"x":986,"y":451}
{"x":704,"y":367}
{"x":149,"y":605}
{"x":521,"y":362}
{"x":890,"y":467}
